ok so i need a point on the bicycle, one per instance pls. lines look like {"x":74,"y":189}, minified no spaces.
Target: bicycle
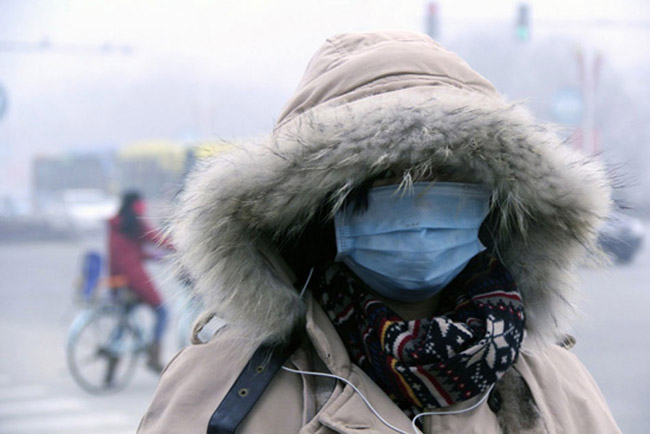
{"x":106,"y":340}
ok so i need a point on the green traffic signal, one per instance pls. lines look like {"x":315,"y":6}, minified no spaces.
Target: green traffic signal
{"x":523,"y":22}
{"x":523,"y":33}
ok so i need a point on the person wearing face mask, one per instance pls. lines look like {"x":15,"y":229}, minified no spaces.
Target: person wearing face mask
{"x":127,"y":239}
{"x":398,"y":257}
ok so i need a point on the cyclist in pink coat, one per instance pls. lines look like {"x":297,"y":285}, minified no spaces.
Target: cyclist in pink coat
{"x":128,"y":236}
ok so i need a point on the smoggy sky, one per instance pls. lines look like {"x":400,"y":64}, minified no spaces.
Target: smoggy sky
{"x":203,"y":69}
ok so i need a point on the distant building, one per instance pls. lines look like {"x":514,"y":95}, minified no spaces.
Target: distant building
{"x":53,"y":175}
{"x":154,"y":167}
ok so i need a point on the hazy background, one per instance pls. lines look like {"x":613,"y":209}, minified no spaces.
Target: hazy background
{"x":104,"y":75}
{"x":100,"y":96}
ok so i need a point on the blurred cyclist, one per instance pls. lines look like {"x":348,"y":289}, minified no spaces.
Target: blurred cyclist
{"x":128,"y":235}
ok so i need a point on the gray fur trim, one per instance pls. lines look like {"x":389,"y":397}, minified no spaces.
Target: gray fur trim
{"x":548,"y":198}
{"x":518,"y":413}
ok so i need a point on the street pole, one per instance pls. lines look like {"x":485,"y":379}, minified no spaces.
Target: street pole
{"x":433,"y":25}
{"x":589,"y":64}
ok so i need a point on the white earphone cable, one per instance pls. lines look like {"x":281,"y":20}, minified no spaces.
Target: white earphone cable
{"x":448,"y":412}
{"x":372,"y":409}
{"x":304,"y":288}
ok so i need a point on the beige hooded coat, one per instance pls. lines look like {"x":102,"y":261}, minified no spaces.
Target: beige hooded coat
{"x":368,"y":103}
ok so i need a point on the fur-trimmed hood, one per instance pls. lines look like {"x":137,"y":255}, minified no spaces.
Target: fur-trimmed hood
{"x":367,"y":103}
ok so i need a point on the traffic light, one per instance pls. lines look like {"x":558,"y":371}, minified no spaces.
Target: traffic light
{"x":523,"y":22}
{"x":432,"y":20}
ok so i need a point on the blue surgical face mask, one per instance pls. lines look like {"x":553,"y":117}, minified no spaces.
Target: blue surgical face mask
{"x":410,"y":244}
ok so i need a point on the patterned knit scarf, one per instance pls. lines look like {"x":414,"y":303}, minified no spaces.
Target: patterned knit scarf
{"x":432,"y":362}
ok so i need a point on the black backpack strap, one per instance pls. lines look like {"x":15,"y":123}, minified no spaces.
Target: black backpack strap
{"x":249,"y":387}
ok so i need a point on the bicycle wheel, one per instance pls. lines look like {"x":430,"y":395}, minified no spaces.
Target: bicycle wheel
{"x":102,"y":349}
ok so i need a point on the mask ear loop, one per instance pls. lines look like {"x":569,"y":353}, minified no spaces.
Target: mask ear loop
{"x":304,"y":288}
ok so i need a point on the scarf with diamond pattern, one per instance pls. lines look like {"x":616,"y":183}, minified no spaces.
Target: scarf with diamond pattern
{"x":432,"y":362}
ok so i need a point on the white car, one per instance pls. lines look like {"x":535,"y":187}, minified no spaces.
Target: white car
{"x":89,"y":209}
{"x":621,"y":237}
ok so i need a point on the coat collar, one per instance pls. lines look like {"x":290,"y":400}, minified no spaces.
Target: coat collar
{"x":325,"y":339}
{"x":346,"y":412}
